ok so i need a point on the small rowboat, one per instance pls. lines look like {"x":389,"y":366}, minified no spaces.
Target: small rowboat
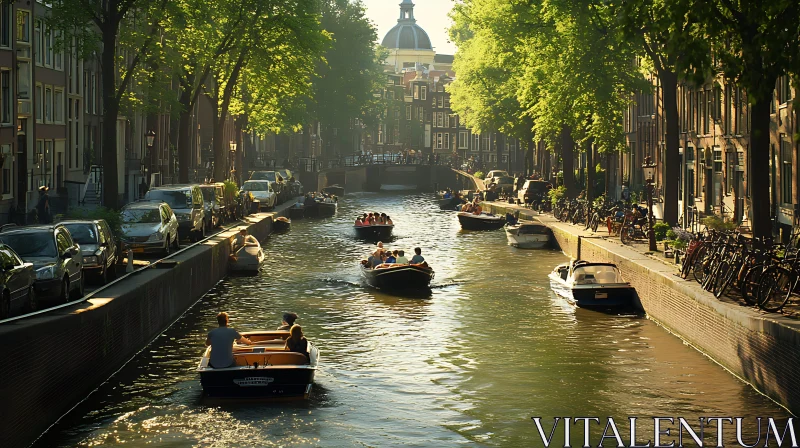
{"x":261,"y":370}
{"x":528,"y":235}
{"x":471,"y":221}
{"x":282,"y":224}
{"x":592,"y":285}
{"x":247,"y":259}
{"x":398,"y":276}
{"x":378,"y":232}
{"x":335,"y":190}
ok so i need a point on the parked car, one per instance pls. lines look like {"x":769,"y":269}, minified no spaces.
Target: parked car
{"x":533,"y":191}
{"x":263,"y":193}
{"x":229,"y":203}
{"x":504,"y":184}
{"x":493,"y":174}
{"x":56,"y":259}
{"x":187,"y":203}
{"x":98,"y":247}
{"x":213,"y":198}
{"x":17,"y":280}
{"x":295,"y":187}
{"x":271,"y":176}
{"x":149,"y":227}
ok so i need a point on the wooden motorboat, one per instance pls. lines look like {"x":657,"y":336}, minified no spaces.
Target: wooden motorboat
{"x":282,"y":224}
{"x":398,"y":276}
{"x":528,"y":235}
{"x":335,"y":190}
{"x":262,"y":370}
{"x":450,"y":203}
{"x":376,"y":232}
{"x":320,"y":209}
{"x":471,"y":221}
{"x":297,"y":211}
{"x":247,"y":258}
{"x":592,"y":285}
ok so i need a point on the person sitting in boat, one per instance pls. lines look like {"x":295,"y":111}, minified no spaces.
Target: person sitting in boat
{"x":401,"y":257}
{"x":359,"y":222}
{"x":374,"y":260}
{"x":511,"y":219}
{"x":309,"y":201}
{"x":384,"y":219}
{"x":389,"y":221}
{"x":296,"y":342}
{"x":221,"y":340}
{"x":447,"y":194}
{"x":390,"y":258}
{"x":288,"y":321}
{"x":417,"y":258}
{"x":243,"y":239}
{"x":377,"y":218}
{"x":476,"y":209}
{"x":467,"y":208}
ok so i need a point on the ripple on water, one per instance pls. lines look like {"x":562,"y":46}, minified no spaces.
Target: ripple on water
{"x":469,"y":364}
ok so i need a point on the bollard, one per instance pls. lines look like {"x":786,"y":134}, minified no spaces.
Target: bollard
{"x":129,"y":268}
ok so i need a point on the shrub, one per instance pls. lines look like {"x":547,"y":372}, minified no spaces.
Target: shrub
{"x":680,"y":237}
{"x":556,"y":194}
{"x":661,"y":228}
{"x":111,"y":216}
{"x":671,"y":235}
{"x":479,"y":174}
{"x":717,"y":223}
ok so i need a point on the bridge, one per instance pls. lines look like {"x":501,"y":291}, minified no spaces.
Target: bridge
{"x":392,"y":177}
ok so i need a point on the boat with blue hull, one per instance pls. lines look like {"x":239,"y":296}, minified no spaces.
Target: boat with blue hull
{"x":592,"y":285}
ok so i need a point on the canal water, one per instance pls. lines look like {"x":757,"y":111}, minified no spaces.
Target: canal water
{"x":470,"y":364}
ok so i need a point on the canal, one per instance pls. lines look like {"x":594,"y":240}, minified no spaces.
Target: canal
{"x":470,"y":364}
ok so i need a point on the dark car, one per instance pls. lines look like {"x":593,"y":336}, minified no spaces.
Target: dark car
{"x":187,"y":203}
{"x":56,"y":259}
{"x":214,"y":199}
{"x":534,"y":192}
{"x":16,"y":282}
{"x":98,"y":247}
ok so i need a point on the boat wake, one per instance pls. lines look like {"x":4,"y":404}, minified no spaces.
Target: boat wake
{"x":447,"y":284}
{"x":337,"y":281}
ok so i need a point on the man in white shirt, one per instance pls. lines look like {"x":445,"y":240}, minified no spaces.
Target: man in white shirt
{"x":221,"y":341}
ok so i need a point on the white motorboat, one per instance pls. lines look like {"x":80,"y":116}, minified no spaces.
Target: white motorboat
{"x":528,"y":235}
{"x":592,"y":285}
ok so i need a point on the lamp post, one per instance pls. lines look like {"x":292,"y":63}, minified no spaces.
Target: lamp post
{"x":233,"y":160}
{"x":649,"y":169}
{"x":150,"y":139}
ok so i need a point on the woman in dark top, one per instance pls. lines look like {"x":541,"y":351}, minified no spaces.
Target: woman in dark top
{"x":296,"y":342}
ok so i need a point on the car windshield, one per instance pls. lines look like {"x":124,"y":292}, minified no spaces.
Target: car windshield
{"x":255,"y":186}
{"x":141,"y":216}
{"x":175,"y":198}
{"x":32,"y":244}
{"x":265,"y":175}
{"x":82,"y":233}
{"x":208,"y":193}
{"x":505,"y":180}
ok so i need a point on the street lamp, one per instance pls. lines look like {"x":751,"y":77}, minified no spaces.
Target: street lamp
{"x":151,"y":138}
{"x":649,"y":169}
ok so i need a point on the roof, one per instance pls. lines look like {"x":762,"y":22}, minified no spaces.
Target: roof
{"x":407,"y":36}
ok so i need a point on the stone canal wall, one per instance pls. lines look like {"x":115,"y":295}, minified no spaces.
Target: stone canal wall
{"x":52,"y":361}
{"x":762,"y":349}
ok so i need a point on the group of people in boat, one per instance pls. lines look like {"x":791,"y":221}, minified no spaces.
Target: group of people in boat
{"x":449,"y":194}
{"x":221,"y":340}
{"x":373,"y":219}
{"x":383,"y":257}
{"x":473,"y":207}
{"x":311,"y":199}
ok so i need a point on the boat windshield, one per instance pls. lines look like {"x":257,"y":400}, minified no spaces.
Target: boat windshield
{"x":533,"y":230}
{"x":596,"y":274}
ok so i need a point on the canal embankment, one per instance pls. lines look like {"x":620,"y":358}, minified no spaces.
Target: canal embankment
{"x":761,"y":349}
{"x":53,"y":360}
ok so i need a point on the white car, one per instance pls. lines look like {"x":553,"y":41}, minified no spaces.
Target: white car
{"x":262,"y":192}
{"x":493,"y":174}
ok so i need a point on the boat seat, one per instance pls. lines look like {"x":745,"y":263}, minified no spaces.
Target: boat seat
{"x":280,"y":358}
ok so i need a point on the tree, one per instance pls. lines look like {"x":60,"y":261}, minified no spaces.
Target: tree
{"x":95,"y":25}
{"x":755,"y":43}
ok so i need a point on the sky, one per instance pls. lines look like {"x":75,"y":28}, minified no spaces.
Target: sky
{"x":431,"y":15}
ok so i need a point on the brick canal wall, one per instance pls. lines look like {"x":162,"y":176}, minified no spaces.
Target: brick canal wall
{"x":762,"y":349}
{"x":52,"y":361}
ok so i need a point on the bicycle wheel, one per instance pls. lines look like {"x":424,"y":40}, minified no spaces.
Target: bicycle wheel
{"x":725,"y":274}
{"x":698,"y":269}
{"x":595,"y":222}
{"x":688,"y":263}
{"x":749,"y":286}
{"x":775,"y":288}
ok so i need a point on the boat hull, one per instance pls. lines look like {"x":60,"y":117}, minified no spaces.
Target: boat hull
{"x":271,"y":382}
{"x":282,"y":225}
{"x":334,"y":190}
{"x":320,"y":210}
{"x":594,"y":296}
{"x":248,"y":260}
{"x":528,"y":238}
{"x":469,"y":221}
{"x":401,"y":277}
{"x":374,"y":233}
{"x":296,"y":212}
{"x":450,"y":204}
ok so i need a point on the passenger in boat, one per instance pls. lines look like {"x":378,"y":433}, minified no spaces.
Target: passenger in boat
{"x":384,"y":219}
{"x":389,"y":221}
{"x":221,"y":340}
{"x":359,"y":222}
{"x":476,"y":209}
{"x":370,"y":220}
{"x":447,"y":194}
{"x":309,"y":201}
{"x":374,"y":260}
{"x":390,"y":258}
{"x":511,"y":219}
{"x":417,"y":258}
{"x":467,"y":208}
{"x":296,"y":342}
{"x":401,"y":257}
{"x":243,"y":239}
{"x":288,"y":321}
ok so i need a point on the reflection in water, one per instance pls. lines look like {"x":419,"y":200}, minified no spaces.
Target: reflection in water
{"x":488,"y":348}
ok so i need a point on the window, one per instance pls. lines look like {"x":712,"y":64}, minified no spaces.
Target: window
{"x":786,"y":170}
{"x":58,"y":106}
{"x":738,"y":104}
{"x":447,"y":141}
{"x":440,"y":102}
{"x":690,"y":182}
{"x":485,"y":143}
{"x":439,"y":141}
{"x":6,"y":98}
{"x":8,"y":172}
{"x":420,"y":114}
{"x":423,"y":92}
{"x":717,"y":160}
{"x":462,"y":139}
{"x":446,"y":119}
{"x":728,"y":111}
{"x":416,"y":92}
{"x":389,"y":94}
{"x":24,"y":79}
{"x":38,"y":41}
{"x":23,"y":26}
{"x":48,"y":104}
{"x":717,"y":102}
{"x":380,"y":134}
{"x":439,"y":119}
{"x":86,"y":91}
{"x":476,"y":142}
{"x":6,"y":16}
{"x":58,"y":56}
{"x":39,"y":99}
{"x":447,"y":102}
{"x":692,"y":111}
{"x":784,"y":89}
{"x":408,"y":111}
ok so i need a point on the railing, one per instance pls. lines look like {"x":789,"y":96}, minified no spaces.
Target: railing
{"x":95,"y":178}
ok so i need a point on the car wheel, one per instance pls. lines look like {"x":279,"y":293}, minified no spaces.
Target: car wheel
{"x":104,"y":273}
{"x":5,"y":306}
{"x":32,"y":302}
{"x":65,"y":290}
{"x":75,"y":295}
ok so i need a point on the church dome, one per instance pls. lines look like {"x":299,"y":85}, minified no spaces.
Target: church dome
{"x":407,"y":35}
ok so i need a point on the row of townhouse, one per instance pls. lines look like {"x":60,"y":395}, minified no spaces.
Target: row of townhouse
{"x":714,"y":127}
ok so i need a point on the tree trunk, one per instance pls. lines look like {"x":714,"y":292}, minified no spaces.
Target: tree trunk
{"x":590,"y":175}
{"x":184,"y":138}
{"x":760,"y":208}
{"x":498,"y":147}
{"x":529,"y":162}
{"x":111,"y":197}
{"x":669,"y":89}
{"x":218,"y":145}
{"x":568,"y":162}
